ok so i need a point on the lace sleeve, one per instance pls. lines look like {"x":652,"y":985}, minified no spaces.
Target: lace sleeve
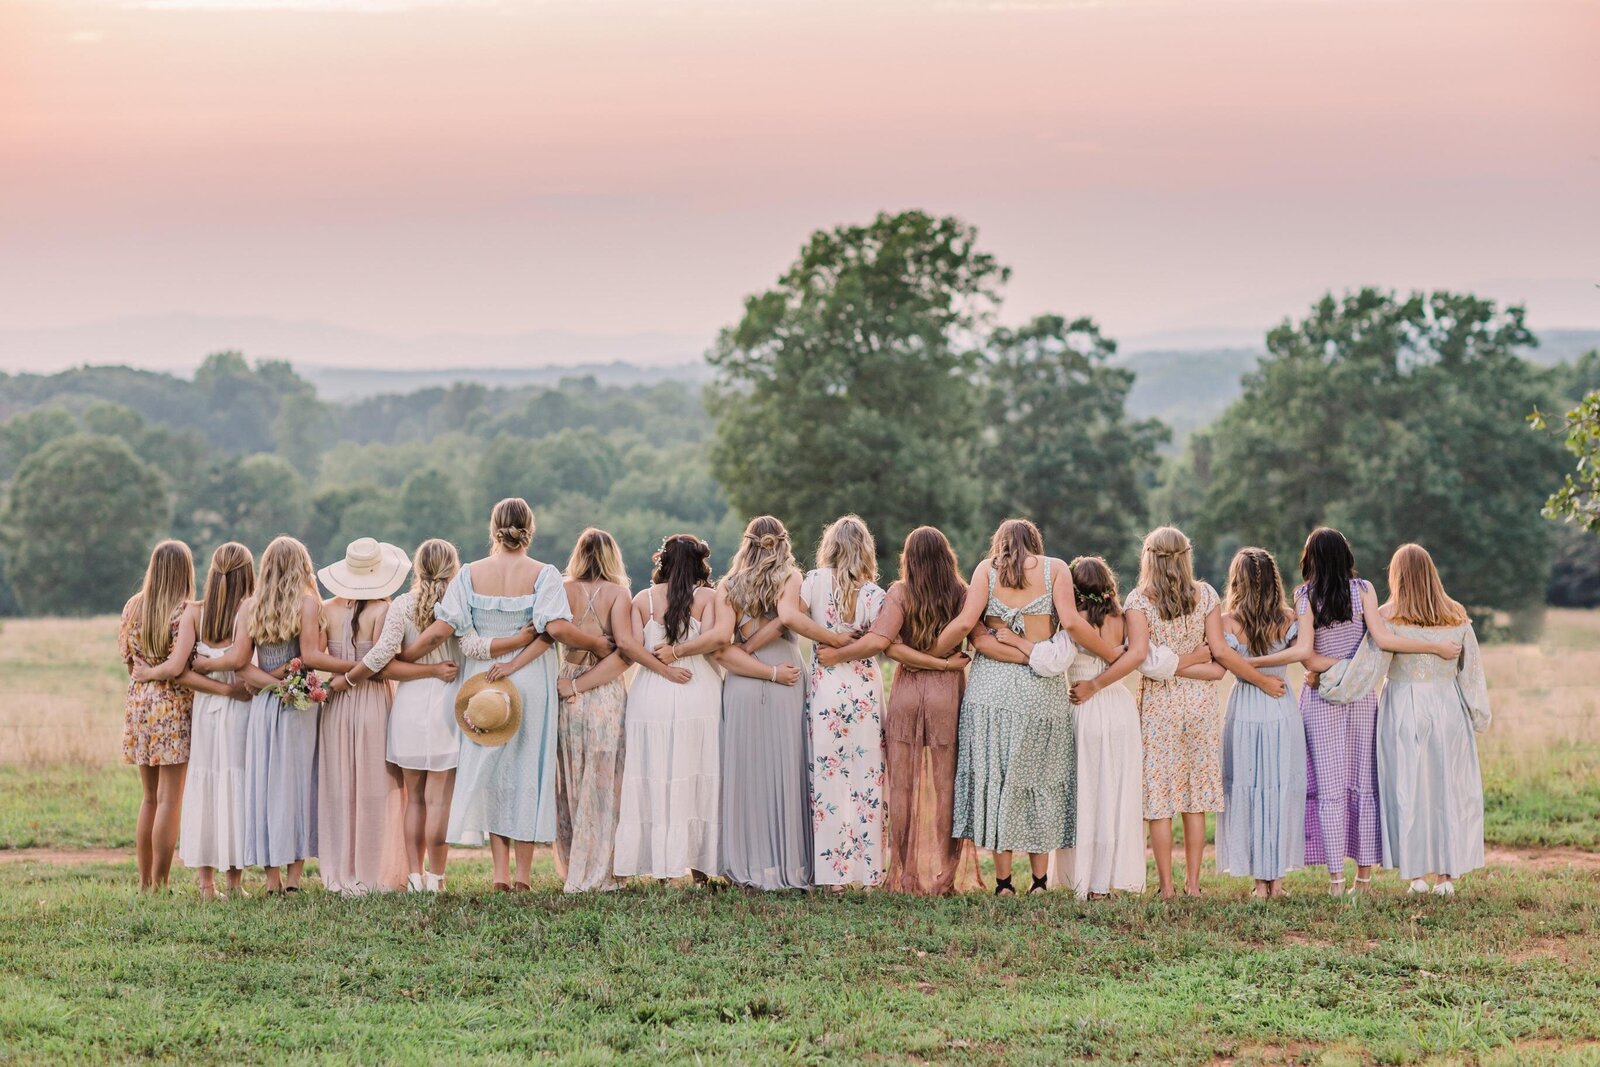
{"x":1160,"y":663}
{"x":392,"y":639}
{"x":1351,"y":679}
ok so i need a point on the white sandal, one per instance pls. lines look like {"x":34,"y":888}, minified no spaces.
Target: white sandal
{"x":433,"y":883}
{"x":413,"y":883}
{"x":1356,"y":889}
{"x":1336,"y":886}
{"x":1445,"y":889}
{"x":1418,"y":885}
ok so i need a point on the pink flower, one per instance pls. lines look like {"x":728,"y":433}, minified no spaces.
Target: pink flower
{"x":297,"y":664}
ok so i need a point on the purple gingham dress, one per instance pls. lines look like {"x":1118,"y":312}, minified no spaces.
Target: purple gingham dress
{"x":1341,"y":756}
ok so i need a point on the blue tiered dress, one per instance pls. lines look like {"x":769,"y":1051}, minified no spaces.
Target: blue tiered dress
{"x":1261,"y":829}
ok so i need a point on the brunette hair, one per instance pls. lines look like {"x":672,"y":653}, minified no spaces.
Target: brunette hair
{"x":1417,"y":592}
{"x":682,"y":564}
{"x":511,"y":524}
{"x":1013,"y":542}
{"x":1328,"y":565}
{"x":168,"y":586}
{"x":230,"y":580}
{"x":1255,"y":599}
{"x":931,"y":584}
{"x":1094,"y":588}
{"x":1166,"y":572}
{"x":762,"y":564}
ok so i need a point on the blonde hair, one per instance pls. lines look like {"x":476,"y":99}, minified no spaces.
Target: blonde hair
{"x":511,"y":524}
{"x":596,"y":557}
{"x":1417,"y":592}
{"x":762,"y":564}
{"x":168,"y":586}
{"x":1013,"y":542}
{"x":435,"y":563}
{"x":847,"y":547}
{"x":1166,"y":572}
{"x":230,"y":579}
{"x":1255,"y":599}
{"x":286,"y":577}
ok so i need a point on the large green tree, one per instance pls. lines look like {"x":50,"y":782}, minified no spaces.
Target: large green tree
{"x":83,"y":514}
{"x":250,"y":499}
{"x":848,"y":386}
{"x":1058,"y":444}
{"x":1394,"y":418}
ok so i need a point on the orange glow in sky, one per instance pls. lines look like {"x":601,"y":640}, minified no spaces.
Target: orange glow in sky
{"x":630,"y":165}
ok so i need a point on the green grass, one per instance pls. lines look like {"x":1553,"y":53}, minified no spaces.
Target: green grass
{"x":1548,"y":798}
{"x":90,"y":971}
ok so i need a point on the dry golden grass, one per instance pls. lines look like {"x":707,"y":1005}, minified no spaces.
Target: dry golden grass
{"x":61,"y":689}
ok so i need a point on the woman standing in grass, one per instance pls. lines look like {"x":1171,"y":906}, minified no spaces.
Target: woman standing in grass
{"x":211,"y":837}
{"x":667,"y":825}
{"x":844,"y":710}
{"x":423,"y":741}
{"x":919,"y":725}
{"x":1342,"y":818}
{"x":1179,"y":718}
{"x":156,"y":634}
{"x":766,"y":802}
{"x":280,"y":771}
{"x":1016,"y":773}
{"x":1428,"y":779}
{"x":1261,"y":829}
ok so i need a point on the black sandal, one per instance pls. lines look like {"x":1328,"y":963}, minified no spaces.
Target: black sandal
{"x":1002,"y":886}
{"x":1040,"y":884}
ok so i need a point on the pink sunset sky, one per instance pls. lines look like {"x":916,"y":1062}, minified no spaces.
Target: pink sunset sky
{"x":619,"y":166}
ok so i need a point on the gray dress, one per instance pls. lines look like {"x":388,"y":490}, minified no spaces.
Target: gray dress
{"x":1017,"y":748}
{"x":1430,"y":792}
{"x":766,"y":810}
{"x":280,"y":773}
{"x":1261,"y":831}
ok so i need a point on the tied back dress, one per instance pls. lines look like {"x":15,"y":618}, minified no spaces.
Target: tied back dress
{"x":844,"y":714}
{"x":671,"y":780}
{"x":766,"y":752}
{"x":280,"y":771}
{"x":1261,"y":830}
{"x":1341,"y":754}
{"x":1429,"y":785}
{"x":1017,"y":760}
{"x":360,"y":796}
{"x":1180,"y":720}
{"x":211,"y":826}
{"x":507,"y":790}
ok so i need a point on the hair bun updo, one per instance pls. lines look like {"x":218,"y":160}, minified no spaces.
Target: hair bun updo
{"x":511,"y":524}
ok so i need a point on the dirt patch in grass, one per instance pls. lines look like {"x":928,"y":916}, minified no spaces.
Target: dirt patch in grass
{"x":1543,"y":859}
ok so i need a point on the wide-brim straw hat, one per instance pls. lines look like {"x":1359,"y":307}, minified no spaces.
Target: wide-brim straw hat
{"x":370,"y":570}
{"x":488,"y":712}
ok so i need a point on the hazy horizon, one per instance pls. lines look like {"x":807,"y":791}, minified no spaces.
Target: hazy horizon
{"x":631,"y":167}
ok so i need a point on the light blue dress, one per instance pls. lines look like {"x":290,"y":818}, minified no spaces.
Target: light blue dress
{"x":280,"y":772}
{"x":1430,"y":791}
{"x":508,"y":790}
{"x":1261,"y":831}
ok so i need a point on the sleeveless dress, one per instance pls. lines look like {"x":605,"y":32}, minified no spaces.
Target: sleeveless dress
{"x":423,"y":735}
{"x":360,"y":796}
{"x":1429,"y":786}
{"x":280,"y":772}
{"x":155,"y":724}
{"x":1180,"y":719}
{"x":1109,"y":855}
{"x":1261,"y":830}
{"x":766,"y":754}
{"x":211,"y":826}
{"x":844,"y":715}
{"x":1341,"y":754}
{"x":507,"y":790}
{"x":919,"y":741}
{"x":1016,"y":769}
{"x":589,"y":750}
{"x":671,"y":781}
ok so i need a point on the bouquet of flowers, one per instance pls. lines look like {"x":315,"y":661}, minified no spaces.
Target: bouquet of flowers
{"x":300,"y":688}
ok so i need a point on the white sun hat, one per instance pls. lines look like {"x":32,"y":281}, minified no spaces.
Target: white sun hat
{"x":370,"y":570}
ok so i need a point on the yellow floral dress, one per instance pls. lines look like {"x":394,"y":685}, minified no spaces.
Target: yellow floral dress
{"x":1180,"y":720}
{"x":155,"y":727}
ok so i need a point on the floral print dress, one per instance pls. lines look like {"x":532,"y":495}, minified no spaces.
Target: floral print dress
{"x":155,"y":726}
{"x":1180,"y":719}
{"x":844,"y":713}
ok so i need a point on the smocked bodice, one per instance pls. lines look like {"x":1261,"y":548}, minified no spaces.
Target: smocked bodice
{"x":1015,"y":618}
{"x":271,"y":657}
{"x":1085,"y":665}
{"x":1425,"y":667}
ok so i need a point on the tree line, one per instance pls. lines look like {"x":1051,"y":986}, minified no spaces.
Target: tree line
{"x":874,"y":376}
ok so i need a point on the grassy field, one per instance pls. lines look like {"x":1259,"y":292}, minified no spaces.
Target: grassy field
{"x":1507,"y":973}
